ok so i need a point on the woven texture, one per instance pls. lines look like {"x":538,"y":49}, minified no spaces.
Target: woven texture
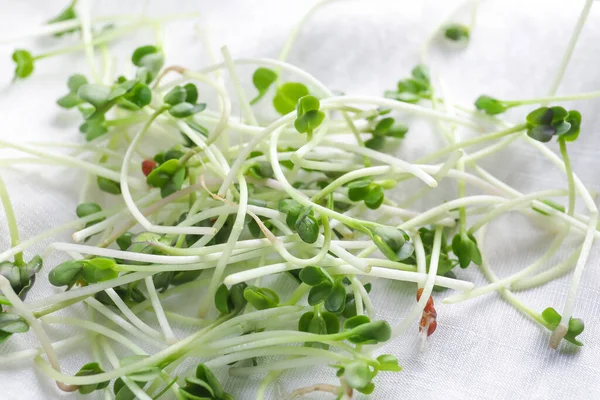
{"x":482,"y":349}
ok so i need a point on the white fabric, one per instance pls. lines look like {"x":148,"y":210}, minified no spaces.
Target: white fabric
{"x":482,"y":349}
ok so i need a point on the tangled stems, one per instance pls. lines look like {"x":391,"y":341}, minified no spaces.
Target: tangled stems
{"x":42,"y":337}
{"x":224,"y":215}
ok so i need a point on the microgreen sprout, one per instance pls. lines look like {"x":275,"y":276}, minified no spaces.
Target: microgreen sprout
{"x":308,"y":115}
{"x":456,"y":32}
{"x":262,"y":79}
{"x":24,"y":63}
{"x":316,"y":196}
{"x":413,"y":89}
{"x":287,"y":97}
{"x":67,"y":14}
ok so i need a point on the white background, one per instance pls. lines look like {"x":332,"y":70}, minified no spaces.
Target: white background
{"x":482,"y":349}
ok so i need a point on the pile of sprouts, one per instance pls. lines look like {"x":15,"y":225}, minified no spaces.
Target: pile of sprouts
{"x":205,"y":205}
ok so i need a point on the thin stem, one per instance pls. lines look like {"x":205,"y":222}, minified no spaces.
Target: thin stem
{"x":569,"y":173}
{"x":11,"y":221}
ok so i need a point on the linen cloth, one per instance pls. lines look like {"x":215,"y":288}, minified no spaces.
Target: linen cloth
{"x":482,"y":349}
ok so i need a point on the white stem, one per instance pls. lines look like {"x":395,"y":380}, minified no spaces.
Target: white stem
{"x":570,"y":47}
{"x":158,"y":309}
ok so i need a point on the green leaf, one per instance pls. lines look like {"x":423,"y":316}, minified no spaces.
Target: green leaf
{"x":69,"y":101}
{"x":287,"y":97}
{"x":12,"y":323}
{"x":314,"y":276}
{"x":144,"y":375}
{"x":309,"y":121}
{"x":191,"y":93}
{"x":336,"y":300}
{"x":383,"y":126}
{"x":319,"y":293}
{"x":540,"y":116}
{"x":421,"y":72}
{"x":161,"y":174}
{"x":262,"y":79}
{"x":370,"y":333}
{"x":332,"y":322}
{"x":389,"y":241}
{"x":375,"y":143}
{"x":357,"y":374}
{"x":183,"y":110}
{"x":388,"y":362}
{"x":75,"y":82}
{"x":261,"y":298}
{"x":574,"y":119}
{"x":356,"y":321}
{"x":85,"y":209}
{"x":108,"y":185}
{"x":308,"y":228}
{"x":88,"y":369}
{"x":490,"y":105}
{"x":541,"y":133}
{"x":368,"y":389}
{"x":137,"y":58}
{"x":558,"y":114}
{"x":465,"y":248}
{"x":93,"y":128}
{"x":552,"y":317}
{"x":456,"y":32}
{"x":24,"y":63}
{"x":95,"y":94}
{"x":406,"y":97}
{"x":261,"y":170}
{"x":358,"y":190}
{"x":122,"y":392}
{"x":137,"y":97}
{"x":181,"y":277}
{"x":304,"y":321}
{"x":176,"y":95}
{"x":99,"y":270}
{"x":174,"y":183}
{"x":222,"y":299}
{"x":66,"y":274}
{"x":375,"y":197}
{"x":65,"y":15}
{"x":306,"y":104}
{"x":205,"y":374}
{"x":124,"y":241}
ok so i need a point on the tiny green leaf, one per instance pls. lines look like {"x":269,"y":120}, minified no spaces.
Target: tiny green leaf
{"x":108,"y":185}
{"x":456,"y":32}
{"x":124,"y":241}
{"x":336,"y":300}
{"x":308,"y":228}
{"x":358,"y":190}
{"x":85,"y":209}
{"x":319,"y":293}
{"x":183,"y":110}
{"x":191,"y":93}
{"x":261,"y":298}
{"x":287,"y":97}
{"x":314,"y":276}
{"x":176,"y":95}
{"x":357,"y":374}
{"x":92,"y":368}
{"x":12,"y":323}
{"x":262,"y":79}
{"x":65,"y":274}
{"x":24,"y":63}
{"x":490,"y":105}
{"x":96,"y":95}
